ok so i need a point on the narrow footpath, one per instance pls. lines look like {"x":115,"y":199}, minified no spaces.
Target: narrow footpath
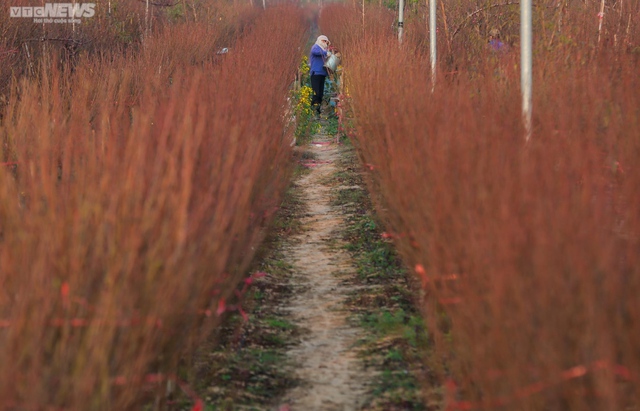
{"x":331,"y":375}
{"x":331,"y":326}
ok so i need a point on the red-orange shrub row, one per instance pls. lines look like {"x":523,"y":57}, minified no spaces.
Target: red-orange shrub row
{"x":131,"y":202}
{"x":200,"y":27}
{"x":528,"y":254}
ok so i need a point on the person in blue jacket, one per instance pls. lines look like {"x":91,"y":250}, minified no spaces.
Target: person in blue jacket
{"x":495,"y":44}
{"x":317,"y":57}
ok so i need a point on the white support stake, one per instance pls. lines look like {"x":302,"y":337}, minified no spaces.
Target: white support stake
{"x":600,"y":18}
{"x":526,"y":64}
{"x":432,"y":41}
{"x":400,"y":19}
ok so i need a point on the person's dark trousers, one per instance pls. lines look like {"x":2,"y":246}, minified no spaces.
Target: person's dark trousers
{"x":317,"y":84}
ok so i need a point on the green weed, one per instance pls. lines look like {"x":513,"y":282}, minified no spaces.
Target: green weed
{"x":395,"y":335}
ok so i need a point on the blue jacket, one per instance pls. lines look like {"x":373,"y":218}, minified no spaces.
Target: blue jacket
{"x":496,"y":45}
{"x":316,"y":61}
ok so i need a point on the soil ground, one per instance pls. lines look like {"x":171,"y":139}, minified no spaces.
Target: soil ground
{"x":333,"y":325}
{"x":327,"y":365}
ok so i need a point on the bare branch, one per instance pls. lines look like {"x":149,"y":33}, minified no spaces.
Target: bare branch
{"x":480,"y":10}
{"x":65,"y":40}
{"x":160,"y":4}
{"x":492,"y":6}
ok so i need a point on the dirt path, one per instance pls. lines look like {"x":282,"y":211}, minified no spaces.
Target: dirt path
{"x":333,"y":378}
{"x":322,"y":312}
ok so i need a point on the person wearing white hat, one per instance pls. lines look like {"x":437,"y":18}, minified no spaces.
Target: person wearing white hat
{"x":317,"y":71}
